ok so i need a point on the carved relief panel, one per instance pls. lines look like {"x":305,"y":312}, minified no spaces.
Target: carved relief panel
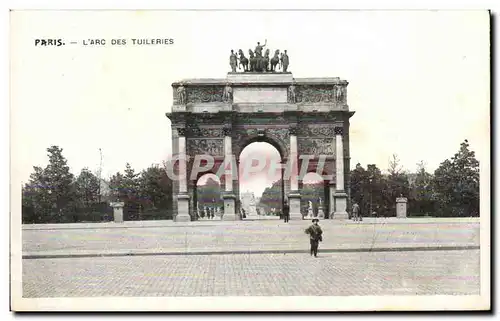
{"x":316,"y":146}
{"x":203,"y":146}
{"x":205,"y":94}
{"x":319,"y":93}
{"x":198,"y":94}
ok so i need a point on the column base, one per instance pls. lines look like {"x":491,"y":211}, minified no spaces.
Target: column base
{"x":321,"y":213}
{"x":340,"y":206}
{"x":229,"y":207}
{"x":183,"y":208}
{"x":294,"y":203}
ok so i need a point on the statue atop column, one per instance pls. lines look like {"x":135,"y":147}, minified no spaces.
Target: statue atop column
{"x":233,"y":61}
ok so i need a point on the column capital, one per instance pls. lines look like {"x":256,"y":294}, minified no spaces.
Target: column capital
{"x":339,"y":131}
{"x":181,"y":131}
{"x":227,"y":130}
{"x":293,"y":130}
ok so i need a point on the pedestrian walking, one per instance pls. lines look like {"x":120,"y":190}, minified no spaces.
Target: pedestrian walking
{"x":286,"y":212}
{"x":315,"y":236}
{"x":356,"y":212}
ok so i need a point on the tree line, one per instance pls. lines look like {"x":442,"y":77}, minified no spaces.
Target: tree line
{"x":451,"y":191}
{"x":55,"y":195}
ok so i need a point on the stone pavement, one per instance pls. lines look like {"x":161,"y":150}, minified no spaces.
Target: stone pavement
{"x":331,"y":274}
{"x":204,"y":237}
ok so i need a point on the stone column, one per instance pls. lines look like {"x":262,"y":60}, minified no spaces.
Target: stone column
{"x":340,"y":194}
{"x":183,"y":196}
{"x":117,"y":211}
{"x":229,"y":197}
{"x":401,"y":207}
{"x":294,"y":196}
{"x":331,"y":199}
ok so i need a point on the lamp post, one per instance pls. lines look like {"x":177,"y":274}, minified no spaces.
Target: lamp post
{"x":100,"y":172}
{"x":371,"y":196}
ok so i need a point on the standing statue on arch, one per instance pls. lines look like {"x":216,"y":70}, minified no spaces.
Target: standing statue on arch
{"x":233,"y":61}
{"x":285,"y":61}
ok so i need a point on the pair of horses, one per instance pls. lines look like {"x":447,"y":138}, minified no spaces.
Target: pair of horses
{"x":259,"y":64}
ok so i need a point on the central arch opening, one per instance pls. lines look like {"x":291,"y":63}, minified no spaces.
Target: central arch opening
{"x":260,"y":182}
{"x":314,"y":196}
{"x":209,"y":204}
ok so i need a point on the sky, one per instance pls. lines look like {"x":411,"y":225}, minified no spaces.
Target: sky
{"x":418,"y":80}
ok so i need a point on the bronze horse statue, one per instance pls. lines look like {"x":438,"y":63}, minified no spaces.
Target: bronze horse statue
{"x":275,"y":60}
{"x":243,"y":61}
{"x":265,"y":61}
{"x":253,"y":60}
{"x":258,"y":64}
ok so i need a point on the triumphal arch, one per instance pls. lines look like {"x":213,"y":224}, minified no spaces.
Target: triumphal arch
{"x":303,"y":118}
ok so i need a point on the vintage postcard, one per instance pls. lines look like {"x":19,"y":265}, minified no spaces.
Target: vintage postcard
{"x":250,"y":160}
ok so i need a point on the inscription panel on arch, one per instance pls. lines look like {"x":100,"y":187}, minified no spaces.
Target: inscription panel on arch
{"x":259,"y":95}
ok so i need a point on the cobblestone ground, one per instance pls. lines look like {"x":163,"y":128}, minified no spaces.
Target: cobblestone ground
{"x":377,"y":273}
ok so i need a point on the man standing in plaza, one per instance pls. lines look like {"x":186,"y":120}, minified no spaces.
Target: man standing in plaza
{"x":286,"y":212}
{"x":356,"y":213}
{"x":315,"y":236}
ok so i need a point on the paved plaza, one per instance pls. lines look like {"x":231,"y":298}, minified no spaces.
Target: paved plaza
{"x":331,"y":274}
{"x":166,"y":237}
{"x":264,"y":258}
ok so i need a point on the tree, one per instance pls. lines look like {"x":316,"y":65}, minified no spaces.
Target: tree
{"x":155,"y":188}
{"x":376,"y":186}
{"x":117,"y":187}
{"x":50,"y":194}
{"x":209,"y":194}
{"x":87,"y":188}
{"x":421,"y":191}
{"x":36,"y":204}
{"x":272,"y":196}
{"x":394,"y":165}
{"x":396,"y":184}
{"x":60,"y":181}
{"x":456,"y":184}
{"x":361,"y":188}
{"x":126,"y":189}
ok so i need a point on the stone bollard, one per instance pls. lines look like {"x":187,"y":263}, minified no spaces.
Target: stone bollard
{"x":401,"y":207}
{"x":117,"y":211}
